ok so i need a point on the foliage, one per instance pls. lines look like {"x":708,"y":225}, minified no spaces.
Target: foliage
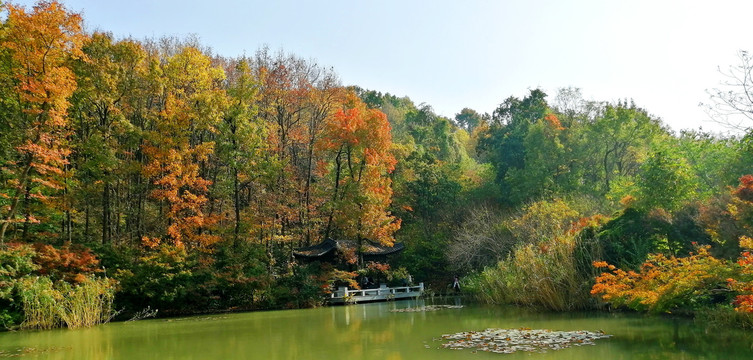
{"x":40,"y":43}
{"x":240,"y":279}
{"x":68,"y":263}
{"x":612,"y":144}
{"x":468,"y":119}
{"x":723,"y":317}
{"x":341,"y":278}
{"x":629,"y":238}
{"x":744,"y":285}
{"x":16,"y":264}
{"x":716,"y":162}
{"x":542,"y":220}
{"x":486,"y":237}
{"x":303,"y":288}
{"x":50,"y":287}
{"x":665,"y":181}
{"x":483,"y":239}
{"x":359,"y":138}
{"x":167,"y":278}
{"x":545,"y":266}
{"x":664,"y":284}
{"x":503,"y":142}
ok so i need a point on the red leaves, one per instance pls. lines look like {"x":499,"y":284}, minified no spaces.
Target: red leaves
{"x":66,"y":263}
{"x":744,"y":300}
{"x":745,"y":190}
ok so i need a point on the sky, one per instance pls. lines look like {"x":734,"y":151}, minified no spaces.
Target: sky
{"x":454,"y":54}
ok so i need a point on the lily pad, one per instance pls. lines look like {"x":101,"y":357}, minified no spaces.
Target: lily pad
{"x":506,"y":341}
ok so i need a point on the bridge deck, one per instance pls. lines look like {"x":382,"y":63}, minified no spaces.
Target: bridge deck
{"x":343,"y":295}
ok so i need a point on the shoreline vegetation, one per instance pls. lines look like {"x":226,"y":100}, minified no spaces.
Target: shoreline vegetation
{"x":145,"y":177}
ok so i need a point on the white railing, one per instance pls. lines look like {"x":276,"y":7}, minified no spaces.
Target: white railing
{"x":381,"y":293}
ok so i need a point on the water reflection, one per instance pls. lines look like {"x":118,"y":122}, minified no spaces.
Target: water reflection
{"x":369,"y":331}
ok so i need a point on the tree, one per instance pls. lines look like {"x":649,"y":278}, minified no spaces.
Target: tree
{"x":103,"y":133}
{"x":613,"y":144}
{"x":716,"y":161}
{"x":41,"y":43}
{"x":242,"y":137}
{"x":545,"y":162}
{"x":358,"y":143}
{"x":503,"y":142}
{"x":732,"y":104}
{"x":190,"y":110}
{"x":665,"y":181}
{"x":468,"y":119}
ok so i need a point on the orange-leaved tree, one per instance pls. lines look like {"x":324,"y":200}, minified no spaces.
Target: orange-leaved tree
{"x":357,"y":144}
{"x":40,"y":44}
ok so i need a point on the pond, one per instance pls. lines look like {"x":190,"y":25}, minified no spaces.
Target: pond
{"x":370,"y":331}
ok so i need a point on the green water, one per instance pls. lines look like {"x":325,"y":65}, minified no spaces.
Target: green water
{"x":369,"y":331}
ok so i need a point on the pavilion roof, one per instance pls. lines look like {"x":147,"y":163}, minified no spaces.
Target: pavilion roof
{"x":325,"y":247}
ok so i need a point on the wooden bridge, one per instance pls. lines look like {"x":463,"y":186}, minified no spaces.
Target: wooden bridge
{"x":343,"y":295}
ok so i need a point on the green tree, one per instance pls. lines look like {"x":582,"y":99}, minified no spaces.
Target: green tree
{"x":468,"y":119}
{"x":103,"y":132}
{"x":545,"y":162}
{"x":665,"y":181}
{"x":503,"y":142}
{"x":613,"y":145}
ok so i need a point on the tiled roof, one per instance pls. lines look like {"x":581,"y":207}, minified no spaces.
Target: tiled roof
{"x":329,"y":245}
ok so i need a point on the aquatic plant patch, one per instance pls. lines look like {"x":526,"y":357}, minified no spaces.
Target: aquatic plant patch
{"x":428,"y":308}
{"x":507,"y":341}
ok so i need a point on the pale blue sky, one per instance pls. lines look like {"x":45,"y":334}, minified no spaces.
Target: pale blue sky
{"x":455,"y":54}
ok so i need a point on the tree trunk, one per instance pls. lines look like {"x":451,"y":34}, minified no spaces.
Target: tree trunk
{"x":106,"y":213}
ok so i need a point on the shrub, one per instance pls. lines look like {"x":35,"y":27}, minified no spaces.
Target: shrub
{"x":86,"y":304}
{"x":15,"y":265}
{"x":723,"y":317}
{"x":168,"y":279}
{"x":665,"y":284}
{"x":743,"y":286}
{"x":628,"y":239}
{"x":304,"y":287}
{"x":67,"y":263}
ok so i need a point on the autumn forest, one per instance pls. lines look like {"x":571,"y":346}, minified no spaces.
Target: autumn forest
{"x":143,"y":175}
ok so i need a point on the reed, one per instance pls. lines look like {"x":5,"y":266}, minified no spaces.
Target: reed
{"x":40,"y":301}
{"x":86,"y":304}
{"x":543,"y":275}
{"x":47,"y":305}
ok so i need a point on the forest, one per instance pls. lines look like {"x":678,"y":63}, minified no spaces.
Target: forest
{"x":152,"y":175}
